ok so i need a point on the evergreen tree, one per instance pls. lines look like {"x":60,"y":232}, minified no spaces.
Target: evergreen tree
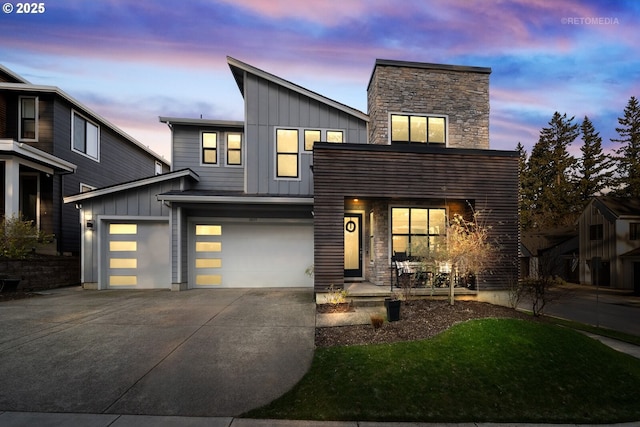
{"x":525,"y":196}
{"x":627,"y":161}
{"x":551,"y":191}
{"x":594,"y":167}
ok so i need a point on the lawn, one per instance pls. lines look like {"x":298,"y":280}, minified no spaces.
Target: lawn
{"x":490,"y":370}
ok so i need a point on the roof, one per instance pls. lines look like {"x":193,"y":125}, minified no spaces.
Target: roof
{"x":35,"y":155}
{"x":618,"y":206}
{"x":427,"y":66}
{"x":632,"y":253}
{"x":25,"y":87}
{"x":13,"y":76}
{"x":201,"y":122}
{"x":214,"y":196}
{"x":416,"y":148}
{"x":132,"y":185}
{"x":238,"y":68}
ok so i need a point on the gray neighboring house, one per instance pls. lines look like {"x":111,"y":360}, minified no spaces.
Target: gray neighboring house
{"x":306,"y":181}
{"x":610,"y":243}
{"x":52,"y":146}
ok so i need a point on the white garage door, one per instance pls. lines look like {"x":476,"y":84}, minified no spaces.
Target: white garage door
{"x":249,"y":254}
{"x":136,"y":255}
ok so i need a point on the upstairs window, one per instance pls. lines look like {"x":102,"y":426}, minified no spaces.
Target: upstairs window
{"x":209,"y":148}
{"x":418,"y":129}
{"x":28,"y":118}
{"x":85,"y":136}
{"x":287,"y":153}
{"x":234,"y":149}
{"x":310,"y":137}
{"x":634,"y":231}
{"x":335,"y":136}
{"x":158,"y":168}
{"x":596,"y":232}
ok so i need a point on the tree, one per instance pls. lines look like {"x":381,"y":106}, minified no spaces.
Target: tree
{"x":594,"y":167}
{"x":627,"y":161}
{"x":525,"y":197}
{"x":549,"y":185}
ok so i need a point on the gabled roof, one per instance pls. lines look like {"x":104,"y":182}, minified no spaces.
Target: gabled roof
{"x":31,"y":88}
{"x":132,"y":184}
{"x":614,"y":208}
{"x":10,"y":75}
{"x":201,"y":122}
{"x":238,"y":68}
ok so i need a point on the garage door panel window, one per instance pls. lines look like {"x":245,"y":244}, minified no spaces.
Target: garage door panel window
{"x":123,"y":280}
{"x":208,"y":255}
{"x":208,"y":246}
{"x":208,"y":230}
{"x":123,"y":229}
{"x":125,"y":246}
{"x":208,"y":263}
{"x":123,"y":263}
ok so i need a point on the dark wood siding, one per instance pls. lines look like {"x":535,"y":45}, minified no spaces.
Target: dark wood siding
{"x":487,"y":178}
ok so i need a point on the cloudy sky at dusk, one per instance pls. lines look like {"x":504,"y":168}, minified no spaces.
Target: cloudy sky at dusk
{"x":132,"y":61}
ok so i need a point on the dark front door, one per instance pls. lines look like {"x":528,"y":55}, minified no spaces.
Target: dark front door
{"x":352,"y":245}
{"x":636,"y":278}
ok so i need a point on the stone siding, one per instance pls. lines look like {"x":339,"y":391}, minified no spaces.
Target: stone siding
{"x":43,"y":272}
{"x":460,"y":93}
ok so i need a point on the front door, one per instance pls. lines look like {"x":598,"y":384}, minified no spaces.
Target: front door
{"x":352,"y":245}
{"x":636,"y":278}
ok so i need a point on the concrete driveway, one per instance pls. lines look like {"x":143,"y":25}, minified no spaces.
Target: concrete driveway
{"x":194,"y":353}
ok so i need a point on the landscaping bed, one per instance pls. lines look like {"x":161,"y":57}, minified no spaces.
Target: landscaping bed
{"x":419,"y":319}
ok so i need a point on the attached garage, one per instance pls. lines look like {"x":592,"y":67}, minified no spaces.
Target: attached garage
{"x":135,"y":255}
{"x":240,"y":254}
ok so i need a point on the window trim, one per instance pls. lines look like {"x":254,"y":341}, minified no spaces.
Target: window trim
{"x":277,"y":155}
{"x":634,"y":231}
{"x":410,"y":207}
{"x":75,"y":113}
{"x":227,"y":150}
{"x":36,"y":119}
{"x":427,"y":116}
{"x":202,"y":148}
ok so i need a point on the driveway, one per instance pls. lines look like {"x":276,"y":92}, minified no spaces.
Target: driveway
{"x":194,"y":353}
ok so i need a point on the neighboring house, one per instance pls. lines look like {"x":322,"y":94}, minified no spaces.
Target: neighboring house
{"x":52,"y":146}
{"x":550,"y":253}
{"x":304,"y":180}
{"x":610,"y":243}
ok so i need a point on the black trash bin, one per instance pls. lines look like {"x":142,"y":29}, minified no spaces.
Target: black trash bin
{"x":393,"y":309}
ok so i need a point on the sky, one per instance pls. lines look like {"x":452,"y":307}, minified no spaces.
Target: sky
{"x":134,"y":60}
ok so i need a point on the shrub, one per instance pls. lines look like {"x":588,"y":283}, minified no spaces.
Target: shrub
{"x":18,"y":237}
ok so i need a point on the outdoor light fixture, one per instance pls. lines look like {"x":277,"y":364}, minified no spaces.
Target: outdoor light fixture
{"x":90,"y":224}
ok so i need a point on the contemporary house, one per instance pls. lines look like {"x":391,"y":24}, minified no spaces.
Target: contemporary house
{"x":307,"y":181}
{"x":610,"y":243}
{"x":52,"y":146}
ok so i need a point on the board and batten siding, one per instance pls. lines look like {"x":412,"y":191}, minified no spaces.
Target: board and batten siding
{"x":270,"y":106}
{"x":487,"y":178}
{"x":187,"y":153}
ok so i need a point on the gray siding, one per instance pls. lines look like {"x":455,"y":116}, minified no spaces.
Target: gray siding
{"x":270,"y":106}
{"x":187,"y":153}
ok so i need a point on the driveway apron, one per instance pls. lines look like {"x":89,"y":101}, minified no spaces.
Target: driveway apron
{"x":194,"y":353}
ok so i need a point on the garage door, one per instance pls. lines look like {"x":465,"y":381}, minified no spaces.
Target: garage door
{"x":249,"y":254}
{"x":136,"y":255}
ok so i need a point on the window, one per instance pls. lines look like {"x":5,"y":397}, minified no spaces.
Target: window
{"x":287,"y":153}
{"x":415,"y":230}
{"x":634,"y":231}
{"x":334,"y":136}
{"x":158,"y":168}
{"x":596,"y":232}
{"x":418,"y":129}
{"x":85,"y":136}
{"x":209,"y":148}
{"x":234,"y":149}
{"x":311,"y":136}
{"x":28,"y":118}
{"x":372,"y":251}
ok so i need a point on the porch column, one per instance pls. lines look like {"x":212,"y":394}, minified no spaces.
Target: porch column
{"x":12,"y":188}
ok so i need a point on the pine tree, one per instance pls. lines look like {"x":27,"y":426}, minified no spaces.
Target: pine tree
{"x":594,"y":167}
{"x":525,"y":196}
{"x":627,"y":161}
{"x":551,"y":190}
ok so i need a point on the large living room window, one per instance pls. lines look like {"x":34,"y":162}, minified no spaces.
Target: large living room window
{"x":407,"y":128}
{"x":415,"y":230}
{"x":85,"y":136}
{"x":28,"y":118}
{"x":287,"y":153}
{"x":209,"y":148}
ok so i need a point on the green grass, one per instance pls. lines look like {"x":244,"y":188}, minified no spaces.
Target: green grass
{"x":499,"y":370}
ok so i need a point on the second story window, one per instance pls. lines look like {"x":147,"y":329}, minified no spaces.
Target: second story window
{"x":596,"y":232}
{"x":28,"y":118}
{"x":634,"y":231}
{"x":287,"y":153}
{"x":335,"y":136}
{"x":234,"y":149}
{"x":158,"y":168}
{"x":311,"y":136}
{"x":85,"y":136}
{"x":209,"y":148}
{"x":418,"y":129}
